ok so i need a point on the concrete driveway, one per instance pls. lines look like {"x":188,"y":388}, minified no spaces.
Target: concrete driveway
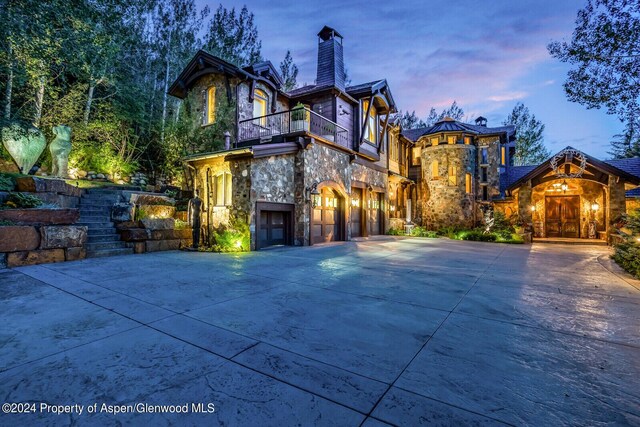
{"x":397,"y":331}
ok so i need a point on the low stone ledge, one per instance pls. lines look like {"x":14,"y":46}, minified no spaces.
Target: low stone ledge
{"x":18,"y":238}
{"x":134,"y":234}
{"x":170,"y":234}
{"x":17,"y":259}
{"x":74,"y":254}
{"x":162,"y":245}
{"x":157,"y":211}
{"x":37,"y":216}
{"x":33,"y":184}
{"x":63,"y":236}
{"x":158,"y":224}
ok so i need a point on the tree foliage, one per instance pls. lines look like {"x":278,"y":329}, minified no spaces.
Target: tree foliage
{"x":530,"y":148}
{"x":410,"y":120}
{"x":627,"y":144}
{"x":289,"y":72}
{"x":233,"y":36}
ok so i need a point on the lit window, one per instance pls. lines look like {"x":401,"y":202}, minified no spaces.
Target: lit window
{"x":467,"y":140}
{"x":451,"y":139}
{"x":467,"y":183}
{"x":210,"y":106}
{"x":260,"y":101}
{"x":484,"y":156}
{"x":416,"y":152}
{"x":223,"y":196}
{"x":371,"y":131}
{"x":434,"y":169}
{"x":434,"y":141}
{"x":503,"y":156}
{"x":453,"y":175}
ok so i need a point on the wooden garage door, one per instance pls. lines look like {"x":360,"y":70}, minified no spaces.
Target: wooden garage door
{"x":274,"y":224}
{"x":326,"y":217}
{"x":356,"y":212}
{"x":375,"y":213}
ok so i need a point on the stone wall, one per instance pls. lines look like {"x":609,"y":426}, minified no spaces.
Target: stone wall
{"x":632,"y":203}
{"x":444,"y":204}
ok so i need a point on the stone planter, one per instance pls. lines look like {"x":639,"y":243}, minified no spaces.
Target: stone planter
{"x":40,"y":216}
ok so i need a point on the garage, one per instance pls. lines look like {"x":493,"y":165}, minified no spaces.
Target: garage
{"x":328,"y":212}
{"x":274,"y":224}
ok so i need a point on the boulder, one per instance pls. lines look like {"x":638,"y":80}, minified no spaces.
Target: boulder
{"x":18,"y":238}
{"x":16,"y":259}
{"x":157,"y":211}
{"x":158,"y":224}
{"x":162,"y":245}
{"x":122,"y":212}
{"x":100,"y":176}
{"x":32,"y":184}
{"x":127,"y":225}
{"x":170,"y":234}
{"x":63,"y":236}
{"x":139,"y":247}
{"x":81,"y":174}
{"x":74,"y":254}
{"x":40,"y":216}
{"x":134,"y":234}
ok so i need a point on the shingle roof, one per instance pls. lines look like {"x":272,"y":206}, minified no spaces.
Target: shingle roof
{"x":304,"y":90}
{"x":630,"y":166}
{"x":513,"y":174}
{"x":413,"y":134}
{"x":484,"y":130}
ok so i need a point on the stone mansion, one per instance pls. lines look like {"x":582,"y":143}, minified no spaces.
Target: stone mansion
{"x":330,"y":162}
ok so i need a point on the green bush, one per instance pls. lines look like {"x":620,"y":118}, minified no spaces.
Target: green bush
{"x":100,"y":158}
{"x":6,"y":183}
{"x":395,"y":232}
{"x":181,"y":225}
{"x":140,"y":214}
{"x":21,"y":200}
{"x":450,"y":231}
{"x":419,"y":231}
{"x":627,"y":255}
{"x":234,"y":238}
{"x":476,"y":236}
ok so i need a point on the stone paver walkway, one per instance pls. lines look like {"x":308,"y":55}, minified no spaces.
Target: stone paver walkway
{"x":397,"y":331}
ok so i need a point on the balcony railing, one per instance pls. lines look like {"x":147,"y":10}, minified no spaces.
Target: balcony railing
{"x":290,"y":122}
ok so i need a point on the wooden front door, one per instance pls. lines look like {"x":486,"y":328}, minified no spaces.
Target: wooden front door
{"x":562,"y":216}
{"x":375,"y":213}
{"x":326,"y":217}
{"x":356,"y":212}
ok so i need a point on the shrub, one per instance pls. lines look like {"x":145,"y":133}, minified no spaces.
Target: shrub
{"x":419,"y":231}
{"x":395,"y":232}
{"x":140,"y":214}
{"x":476,"y":236}
{"x":450,"y":231}
{"x":181,"y":225}
{"x":234,"y":238}
{"x":627,"y":255}
{"x":21,"y":200}
{"x":6,"y":183}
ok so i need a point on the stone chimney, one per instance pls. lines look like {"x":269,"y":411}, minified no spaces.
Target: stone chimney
{"x":481,"y":121}
{"x":330,"y":59}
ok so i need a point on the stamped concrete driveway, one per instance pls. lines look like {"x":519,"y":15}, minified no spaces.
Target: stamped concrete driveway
{"x":397,"y":331}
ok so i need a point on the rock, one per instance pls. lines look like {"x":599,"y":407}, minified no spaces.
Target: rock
{"x":81,"y":174}
{"x":158,"y":224}
{"x":40,"y":185}
{"x":40,"y":216}
{"x":18,"y":238}
{"x":149,"y":199}
{"x":16,"y":259}
{"x":100,"y":176}
{"x":125,"y":225}
{"x":91,"y":173}
{"x":170,"y":234}
{"x":107,"y":176}
{"x":122,"y":212}
{"x":139,"y":247}
{"x":157,"y":211}
{"x":162,"y":245}
{"x":74,"y":254}
{"x":121,"y":182}
{"x":134,"y":234}
{"x":63,"y":236}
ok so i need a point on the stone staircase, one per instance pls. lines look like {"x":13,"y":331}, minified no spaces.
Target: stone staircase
{"x":95,"y":213}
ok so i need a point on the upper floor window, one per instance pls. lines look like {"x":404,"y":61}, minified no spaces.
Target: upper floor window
{"x":416,"y":152}
{"x":222,"y":192}
{"x":484,"y":156}
{"x":453,"y":175}
{"x":434,"y":141}
{"x":452,"y":139}
{"x":210,"y":106}
{"x":467,"y":140}
{"x":370,"y":121}
{"x":435,"y":173}
{"x":260,"y":101}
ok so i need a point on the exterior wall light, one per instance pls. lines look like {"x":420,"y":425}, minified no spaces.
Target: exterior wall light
{"x":595,"y":206}
{"x":313,"y":195}
{"x":532,"y":208}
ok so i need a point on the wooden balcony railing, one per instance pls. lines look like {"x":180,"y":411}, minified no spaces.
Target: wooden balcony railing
{"x":300,"y":120}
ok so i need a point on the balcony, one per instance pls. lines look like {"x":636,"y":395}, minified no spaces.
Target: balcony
{"x":300,"y":121}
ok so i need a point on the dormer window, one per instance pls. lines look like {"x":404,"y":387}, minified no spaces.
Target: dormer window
{"x":370,"y":120}
{"x":260,"y":101}
{"x":210,"y":106}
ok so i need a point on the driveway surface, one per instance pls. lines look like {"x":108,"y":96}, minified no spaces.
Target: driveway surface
{"x":396,"y":331}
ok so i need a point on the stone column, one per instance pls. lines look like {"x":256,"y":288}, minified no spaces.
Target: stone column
{"x":616,"y":205}
{"x":524,"y":202}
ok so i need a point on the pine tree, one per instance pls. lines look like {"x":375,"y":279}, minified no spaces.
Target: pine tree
{"x":233,"y":37}
{"x":530,"y":148}
{"x":410,"y":120}
{"x":289,"y":72}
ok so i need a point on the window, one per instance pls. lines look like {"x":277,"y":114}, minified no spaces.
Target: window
{"x":434,"y":141}
{"x":467,"y":183}
{"x":260,"y":101}
{"x":393,"y":148}
{"x":416,"y":152}
{"x":467,"y":140}
{"x":483,"y":174}
{"x":453,"y":175}
{"x":371,"y":130}
{"x":485,"y":192}
{"x":223,"y":184}
{"x":484,"y":156}
{"x":434,"y":170}
{"x":452,"y":139}
{"x":503,"y":156}
{"x":210,"y":106}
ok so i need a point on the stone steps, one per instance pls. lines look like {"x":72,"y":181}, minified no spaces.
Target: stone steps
{"x":97,"y":246}
{"x":109,"y":252}
{"x":100,"y":238}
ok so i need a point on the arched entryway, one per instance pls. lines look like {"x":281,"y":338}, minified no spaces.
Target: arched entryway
{"x":327,"y":220}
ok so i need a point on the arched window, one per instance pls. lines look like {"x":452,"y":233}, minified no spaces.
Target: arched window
{"x":453,"y":175}
{"x":434,"y":169}
{"x":223,"y":196}
{"x":210,"y":106}
{"x":260,"y":102}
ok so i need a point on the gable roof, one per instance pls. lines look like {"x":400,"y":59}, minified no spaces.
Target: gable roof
{"x":266,"y":70}
{"x":513,"y":174}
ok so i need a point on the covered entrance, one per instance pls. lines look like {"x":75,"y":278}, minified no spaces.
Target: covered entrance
{"x":328,"y":212}
{"x":356,"y":212}
{"x":274,"y":224}
{"x":562,"y":216}
{"x":375,"y":213}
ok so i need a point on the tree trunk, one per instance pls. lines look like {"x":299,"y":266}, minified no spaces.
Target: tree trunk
{"x":164,"y":100}
{"x":39,"y":102}
{"x":177,"y":115}
{"x":9,"y":88}
{"x":87,"y":107}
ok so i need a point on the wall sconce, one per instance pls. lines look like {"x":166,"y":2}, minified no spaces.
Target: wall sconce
{"x":312,"y":194}
{"x":595,"y":206}
{"x":564,"y":186}
{"x":532,"y":208}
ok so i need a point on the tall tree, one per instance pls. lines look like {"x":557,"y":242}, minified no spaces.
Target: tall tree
{"x":530,"y":148}
{"x":454,"y":112}
{"x":627,"y":144}
{"x":432,"y":118}
{"x":289,"y":72}
{"x":233,"y":36}
{"x":411,"y":121}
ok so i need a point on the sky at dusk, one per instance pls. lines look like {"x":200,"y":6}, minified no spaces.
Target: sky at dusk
{"x":485,"y":55}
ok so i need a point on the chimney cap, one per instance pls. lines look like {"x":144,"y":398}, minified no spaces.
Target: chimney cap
{"x":481,"y":121}
{"x":327,"y":32}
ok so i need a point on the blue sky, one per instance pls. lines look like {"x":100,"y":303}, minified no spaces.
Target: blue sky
{"x":485,"y":55}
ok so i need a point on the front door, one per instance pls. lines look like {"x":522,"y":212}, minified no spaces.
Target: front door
{"x":562,"y":216}
{"x":356,"y":212}
{"x":273,"y":228}
{"x":326,"y":217}
{"x":375,"y":213}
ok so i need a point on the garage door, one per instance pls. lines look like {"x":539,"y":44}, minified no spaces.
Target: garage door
{"x":326,"y":217}
{"x":274,"y":224}
{"x":356,"y":212}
